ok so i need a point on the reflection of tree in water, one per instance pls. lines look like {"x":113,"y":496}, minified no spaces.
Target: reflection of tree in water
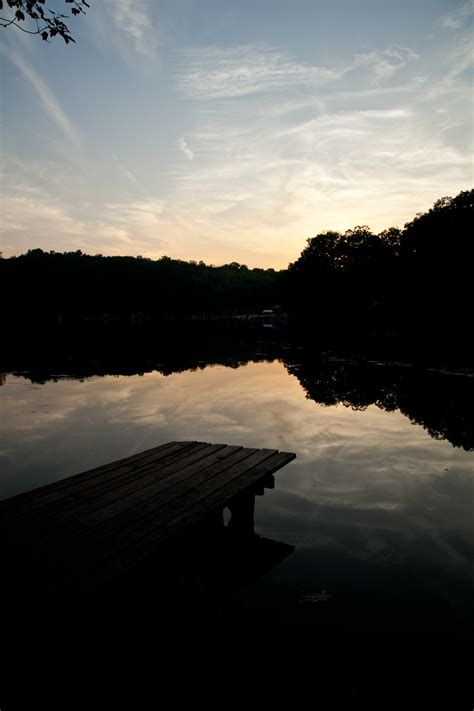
{"x":174,"y":355}
{"x":439,"y":401}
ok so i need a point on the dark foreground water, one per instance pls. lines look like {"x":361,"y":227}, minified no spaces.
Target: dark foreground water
{"x":378,"y":503}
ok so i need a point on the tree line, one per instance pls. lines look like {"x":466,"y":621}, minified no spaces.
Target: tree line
{"x":410,"y":284}
{"x":402,"y":284}
{"x":60,"y":287}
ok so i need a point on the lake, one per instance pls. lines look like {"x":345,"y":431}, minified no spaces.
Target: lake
{"x":377,"y":504}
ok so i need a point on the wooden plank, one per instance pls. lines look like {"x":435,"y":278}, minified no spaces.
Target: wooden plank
{"x":161,"y":495}
{"x":54,"y":490}
{"x":34,"y":494}
{"x":231,"y":487}
{"x":24,"y":508}
{"x":130,"y":481}
{"x":211,"y":495}
{"x":73,"y":539}
{"x":85,"y":512}
{"x":140,"y":540}
{"x":164,"y":489}
{"x":103,"y":522}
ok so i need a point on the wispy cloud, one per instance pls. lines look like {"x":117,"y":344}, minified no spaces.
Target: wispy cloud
{"x":135,"y":23}
{"x":184,"y":148}
{"x":383,"y":64}
{"x":47,"y":98}
{"x":34,"y":217}
{"x":275,"y":148}
{"x":304,"y":146}
{"x":213,"y":72}
{"x":30,"y":213}
{"x":128,"y":174}
{"x":123,"y":170}
{"x":144,"y":213}
{"x":459,"y":17}
{"x":454,"y":86}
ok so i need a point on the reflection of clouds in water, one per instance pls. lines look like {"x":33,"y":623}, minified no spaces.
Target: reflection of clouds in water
{"x":368,"y":495}
{"x":213,"y":401}
{"x":30,"y":413}
{"x":359,"y":479}
{"x":347,"y":459}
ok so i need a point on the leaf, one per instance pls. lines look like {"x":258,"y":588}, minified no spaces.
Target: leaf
{"x":19,"y":15}
{"x":44,"y":35}
{"x":314,"y":597}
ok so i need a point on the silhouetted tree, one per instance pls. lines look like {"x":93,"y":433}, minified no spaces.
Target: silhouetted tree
{"x":403,"y":288}
{"x":437,"y":251}
{"x":411,"y":285}
{"x":54,"y":287}
{"x":34,"y":18}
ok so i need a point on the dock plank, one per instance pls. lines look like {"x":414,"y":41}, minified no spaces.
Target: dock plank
{"x":127,"y":481}
{"x":164,"y":489}
{"x":160,"y":524}
{"x":31,"y":501}
{"x":158,"y":498}
{"x":79,"y":514}
{"x":82,"y":531}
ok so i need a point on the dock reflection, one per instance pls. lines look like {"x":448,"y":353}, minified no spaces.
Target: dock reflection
{"x":199,"y":572}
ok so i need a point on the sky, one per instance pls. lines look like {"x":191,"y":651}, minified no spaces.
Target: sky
{"x":232,"y":130}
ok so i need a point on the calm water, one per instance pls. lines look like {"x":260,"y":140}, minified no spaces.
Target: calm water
{"x":378,"y":503}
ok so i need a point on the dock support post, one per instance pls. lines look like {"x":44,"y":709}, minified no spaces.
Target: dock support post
{"x":242,"y":508}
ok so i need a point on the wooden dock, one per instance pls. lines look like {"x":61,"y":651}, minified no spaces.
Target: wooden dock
{"x":84,"y":531}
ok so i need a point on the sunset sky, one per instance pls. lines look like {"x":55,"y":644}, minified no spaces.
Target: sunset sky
{"x":232,"y":130}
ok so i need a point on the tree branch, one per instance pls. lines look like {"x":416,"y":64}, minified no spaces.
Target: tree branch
{"x":15,"y":24}
{"x":33,"y":10}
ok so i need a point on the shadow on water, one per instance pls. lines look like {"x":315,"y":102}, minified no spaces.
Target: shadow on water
{"x":168,"y":609}
{"x":193,"y":577}
{"x":188,"y":577}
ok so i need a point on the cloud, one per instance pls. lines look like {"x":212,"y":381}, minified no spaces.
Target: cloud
{"x":143,"y":213}
{"x":383,"y":64}
{"x":213,"y":72}
{"x":184,"y":148}
{"x":31,"y":218}
{"x":123,"y":170}
{"x":276,"y":150}
{"x":128,"y":174}
{"x":306,"y":148}
{"x":459,"y":17}
{"x":41,"y":215}
{"x":48,"y":100}
{"x":134,"y":21}
{"x":452,"y":89}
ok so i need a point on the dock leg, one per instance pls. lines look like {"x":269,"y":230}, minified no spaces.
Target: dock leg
{"x":242,"y":509}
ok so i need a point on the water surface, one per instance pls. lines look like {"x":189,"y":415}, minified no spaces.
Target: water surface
{"x":377,"y":505}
